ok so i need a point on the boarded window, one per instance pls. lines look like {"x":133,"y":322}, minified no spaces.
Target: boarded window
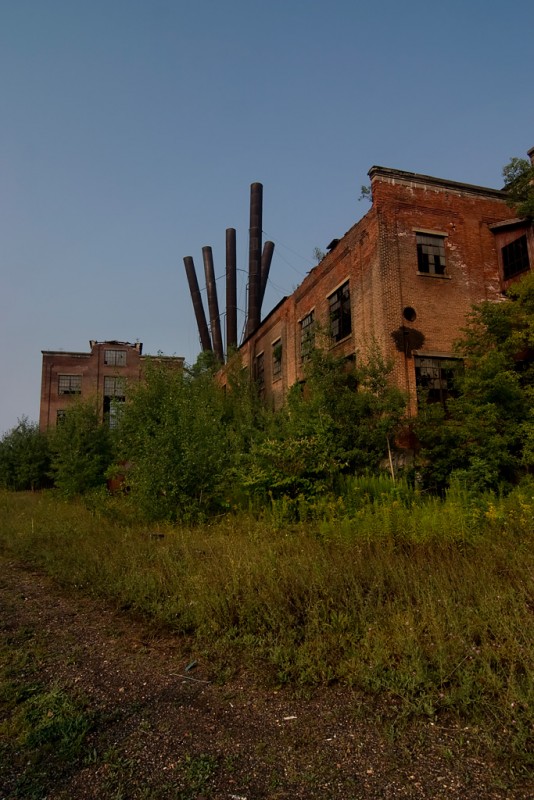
{"x":430,"y":254}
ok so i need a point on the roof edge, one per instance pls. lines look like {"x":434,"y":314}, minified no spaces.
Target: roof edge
{"x":442,"y":183}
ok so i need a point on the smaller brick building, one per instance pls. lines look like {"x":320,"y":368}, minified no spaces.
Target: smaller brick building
{"x":105,"y":373}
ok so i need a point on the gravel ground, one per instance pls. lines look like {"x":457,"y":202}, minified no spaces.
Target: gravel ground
{"x":163,"y":731}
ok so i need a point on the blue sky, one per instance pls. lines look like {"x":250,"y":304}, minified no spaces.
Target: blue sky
{"x":131,"y":131}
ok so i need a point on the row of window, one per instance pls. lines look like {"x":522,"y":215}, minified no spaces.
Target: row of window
{"x":72,"y":384}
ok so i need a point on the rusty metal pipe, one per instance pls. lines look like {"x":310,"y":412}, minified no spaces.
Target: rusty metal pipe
{"x":231,"y":290}
{"x":254,"y":257}
{"x":266,"y":258}
{"x":213,"y":305}
{"x":202,"y":325}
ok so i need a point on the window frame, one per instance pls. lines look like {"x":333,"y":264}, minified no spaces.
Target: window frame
{"x":426,"y":264}
{"x":259,"y":372}
{"x":509,"y":262}
{"x":277,"y":352}
{"x":307,"y":335}
{"x":115,"y":357}
{"x":439,"y":386}
{"x":69,"y":380}
{"x":340,"y":312}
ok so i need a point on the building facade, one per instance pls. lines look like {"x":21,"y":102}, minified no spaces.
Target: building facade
{"x":105,"y":374}
{"x":405,"y":276}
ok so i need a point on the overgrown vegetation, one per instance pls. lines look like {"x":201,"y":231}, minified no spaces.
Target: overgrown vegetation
{"x":420,"y":600}
{"x":280,"y":535}
{"x":518,"y":177}
{"x":485,"y":435}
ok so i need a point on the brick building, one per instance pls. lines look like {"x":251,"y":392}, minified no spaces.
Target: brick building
{"x":104,"y":373}
{"x":404,"y":276}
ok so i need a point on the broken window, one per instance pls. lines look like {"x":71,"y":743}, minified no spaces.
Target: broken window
{"x":307,"y":336}
{"x":114,"y":395}
{"x":515,"y":257}
{"x":430,"y":254}
{"x":340,"y":318}
{"x":259,"y":373}
{"x":277,"y":359}
{"x":69,"y":384}
{"x":115,"y":358}
{"x":434,"y":378}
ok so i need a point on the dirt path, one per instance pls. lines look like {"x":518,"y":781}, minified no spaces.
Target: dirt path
{"x":161,"y":732}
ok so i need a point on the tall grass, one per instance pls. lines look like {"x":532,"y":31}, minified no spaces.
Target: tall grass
{"x":428,"y":602}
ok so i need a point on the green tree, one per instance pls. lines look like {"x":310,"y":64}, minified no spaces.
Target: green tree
{"x":82,"y":450}
{"x":24,"y":457}
{"x":519,"y":183}
{"x":174,"y":432}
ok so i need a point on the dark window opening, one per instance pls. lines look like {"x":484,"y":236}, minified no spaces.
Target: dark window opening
{"x":259,"y":373}
{"x":277,"y":359}
{"x":340,"y":317}
{"x":515,"y":257}
{"x":431,"y":254}
{"x":434,"y":378}
{"x":60,"y":416}
{"x":307,"y":336}
{"x":69,"y":384}
{"x":115,"y":358}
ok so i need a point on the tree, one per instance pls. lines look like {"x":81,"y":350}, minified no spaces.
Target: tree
{"x":176,"y":433}
{"x":82,"y":450}
{"x":24,"y":457}
{"x":519,"y":183}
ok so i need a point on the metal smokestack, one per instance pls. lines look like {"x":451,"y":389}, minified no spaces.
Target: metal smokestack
{"x":254,"y":257}
{"x":266,"y":258}
{"x":213,"y":305}
{"x":205,"y":339}
{"x":231,"y":290}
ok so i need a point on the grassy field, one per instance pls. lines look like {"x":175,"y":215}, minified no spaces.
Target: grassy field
{"x":426,"y":602}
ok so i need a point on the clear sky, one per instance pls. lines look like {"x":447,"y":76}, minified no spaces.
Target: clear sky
{"x":131,"y":130}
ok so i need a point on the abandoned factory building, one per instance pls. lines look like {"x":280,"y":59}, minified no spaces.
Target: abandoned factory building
{"x":104,"y":374}
{"x":404,"y":276}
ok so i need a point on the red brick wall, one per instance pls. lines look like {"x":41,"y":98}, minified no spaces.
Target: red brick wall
{"x":378,"y":256}
{"x":92,"y":369}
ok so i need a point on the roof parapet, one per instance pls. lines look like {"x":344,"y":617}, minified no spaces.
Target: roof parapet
{"x":401,"y":176}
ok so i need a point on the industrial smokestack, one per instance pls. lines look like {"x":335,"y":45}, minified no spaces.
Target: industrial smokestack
{"x":213,"y":305}
{"x":231,"y":290}
{"x":197,"y":303}
{"x":254,"y":257}
{"x":266,"y":258}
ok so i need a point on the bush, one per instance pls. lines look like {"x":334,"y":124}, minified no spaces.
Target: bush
{"x":24,"y":457}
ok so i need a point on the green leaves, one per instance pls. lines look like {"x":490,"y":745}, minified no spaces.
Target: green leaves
{"x":24,"y":457}
{"x":81,"y":450}
{"x":485,"y":435}
{"x":518,"y":177}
